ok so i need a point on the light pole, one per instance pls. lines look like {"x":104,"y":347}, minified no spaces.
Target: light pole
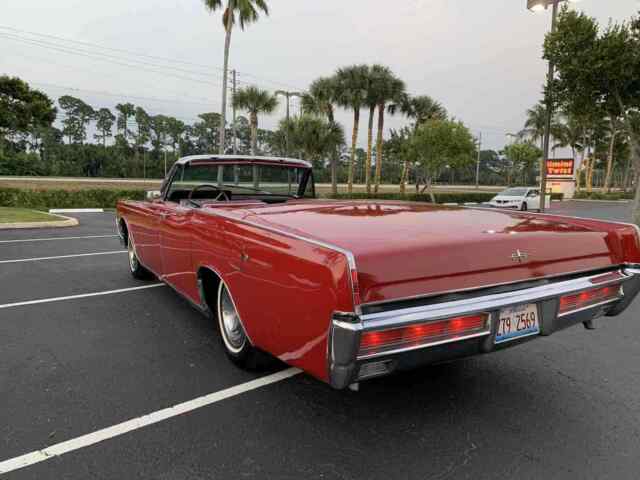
{"x":288,"y":96}
{"x":478,"y":162}
{"x":539,"y":6}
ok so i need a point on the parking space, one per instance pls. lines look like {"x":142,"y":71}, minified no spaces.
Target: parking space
{"x":567,"y":406}
{"x":20,"y":251}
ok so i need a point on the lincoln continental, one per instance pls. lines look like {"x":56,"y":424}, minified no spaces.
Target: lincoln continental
{"x":350,"y":290}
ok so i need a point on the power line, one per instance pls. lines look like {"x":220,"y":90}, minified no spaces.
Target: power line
{"x":121,"y":50}
{"x":142,"y":55}
{"x":110,"y":60}
{"x":122,"y":95}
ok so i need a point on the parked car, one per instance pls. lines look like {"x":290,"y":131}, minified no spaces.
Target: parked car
{"x":350,"y":290}
{"x":519,"y":198}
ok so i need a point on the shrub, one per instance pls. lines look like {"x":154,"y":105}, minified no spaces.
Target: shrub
{"x":557,"y":196}
{"x":44,"y":199}
{"x":612,"y":196}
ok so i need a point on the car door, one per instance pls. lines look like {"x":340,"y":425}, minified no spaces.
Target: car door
{"x":143,"y":227}
{"x":533,"y":199}
{"x":175,"y":248}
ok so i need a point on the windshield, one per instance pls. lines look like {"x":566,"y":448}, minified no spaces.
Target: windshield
{"x":244,"y":179}
{"x":514,"y":192}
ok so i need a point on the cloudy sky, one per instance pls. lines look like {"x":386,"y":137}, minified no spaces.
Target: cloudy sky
{"x":481,"y":59}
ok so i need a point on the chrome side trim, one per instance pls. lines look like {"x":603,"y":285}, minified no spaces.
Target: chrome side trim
{"x":482,"y":304}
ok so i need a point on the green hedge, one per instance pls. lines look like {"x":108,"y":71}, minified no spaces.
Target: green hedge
{"x":449,"y":197}
{"x":604,"y":196}
{"x":462,"y":197}
{"x":44,"y":199}
{"x":107,"y":198}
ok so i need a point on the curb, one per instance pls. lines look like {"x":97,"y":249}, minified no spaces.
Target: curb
{"x":599,"y":201}
{"x":67,"y":222}
{"x":76,"y":210}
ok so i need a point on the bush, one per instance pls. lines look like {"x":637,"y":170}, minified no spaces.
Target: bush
{"x":451,"y":197}
{"x":612,"y":196}
{"x":45,"y":199}
{"x":557,"y":196}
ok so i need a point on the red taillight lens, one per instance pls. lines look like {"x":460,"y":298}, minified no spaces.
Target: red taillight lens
{"x":576,"y":301}
{"x":421,"y":334}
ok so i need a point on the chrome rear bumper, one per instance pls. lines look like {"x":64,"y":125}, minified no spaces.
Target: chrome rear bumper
{"x":346,"y":365}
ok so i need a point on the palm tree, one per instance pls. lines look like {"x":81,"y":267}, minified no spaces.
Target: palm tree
{"x":421,"y":109}
{"x":315,"y":137}
{"x":570,"y":132}
{"x":536,"y":124}
{"x":320,"y":100}
{"x":375,"y":85}
{"x":254,"y":101}
{"x":394,"y":90}
{"x":352,"y":93}
{"x":246,"y":11}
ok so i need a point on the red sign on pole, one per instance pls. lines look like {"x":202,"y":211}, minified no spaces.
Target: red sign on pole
{"x":560,"y":167}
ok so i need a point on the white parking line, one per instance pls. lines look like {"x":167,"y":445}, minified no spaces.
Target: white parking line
{"x":83,"y":295}
{"x":48,"y":239}
{"x":38,"y":259}
{"x":140,"y":422}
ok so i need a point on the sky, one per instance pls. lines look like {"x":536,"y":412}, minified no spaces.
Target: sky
{"x":480,"y":59}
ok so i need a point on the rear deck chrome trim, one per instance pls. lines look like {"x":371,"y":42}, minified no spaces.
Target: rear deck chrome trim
{"x":612,"y":268}
{"x":407,"y":316}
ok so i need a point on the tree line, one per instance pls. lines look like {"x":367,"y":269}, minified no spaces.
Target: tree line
{"x":131,"y":142}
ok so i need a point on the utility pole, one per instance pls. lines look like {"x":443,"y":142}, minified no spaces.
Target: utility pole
{"x":547,"y":131}
{"x":288,"y":96}
{"x":538,"y":6}
{"x":478,"y":163}
{"x":234,"y":86}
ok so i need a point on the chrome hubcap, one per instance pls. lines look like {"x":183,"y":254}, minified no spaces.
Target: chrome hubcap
{"x":133,"y":260}
{"x":230,"y":322}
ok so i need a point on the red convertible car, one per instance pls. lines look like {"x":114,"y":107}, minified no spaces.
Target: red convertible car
{"x":350,"y":290}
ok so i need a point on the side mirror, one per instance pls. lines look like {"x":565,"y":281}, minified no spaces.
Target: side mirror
{"x":152,"y":195}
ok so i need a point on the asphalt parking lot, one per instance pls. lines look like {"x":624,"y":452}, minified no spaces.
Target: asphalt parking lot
{"x":75,"y":368}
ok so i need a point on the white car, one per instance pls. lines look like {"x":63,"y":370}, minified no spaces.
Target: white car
{"x":518,"y":198}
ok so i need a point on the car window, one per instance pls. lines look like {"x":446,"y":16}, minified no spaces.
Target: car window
{"x":244,"y":179}
{"x":514,"y":192}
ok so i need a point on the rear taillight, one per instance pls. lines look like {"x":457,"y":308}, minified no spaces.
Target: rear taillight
{"x":589,"y":298}
{"x":421,"y":334}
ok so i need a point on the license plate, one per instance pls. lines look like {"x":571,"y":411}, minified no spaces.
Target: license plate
{"x":516,"y":322}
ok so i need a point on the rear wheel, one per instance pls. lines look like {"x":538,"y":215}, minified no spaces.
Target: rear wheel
{"x":234,"y":338}
{"x":135,"y":267}
{"x":524,"y":207}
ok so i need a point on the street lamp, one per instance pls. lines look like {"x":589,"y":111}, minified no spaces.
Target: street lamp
{"x":539,"y":6}
{"x":288,"y":96}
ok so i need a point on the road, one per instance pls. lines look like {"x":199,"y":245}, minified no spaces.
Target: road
{"x":565,"y":406}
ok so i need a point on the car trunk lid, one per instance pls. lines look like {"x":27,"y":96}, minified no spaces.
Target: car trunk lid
{"x":407,"y":249}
